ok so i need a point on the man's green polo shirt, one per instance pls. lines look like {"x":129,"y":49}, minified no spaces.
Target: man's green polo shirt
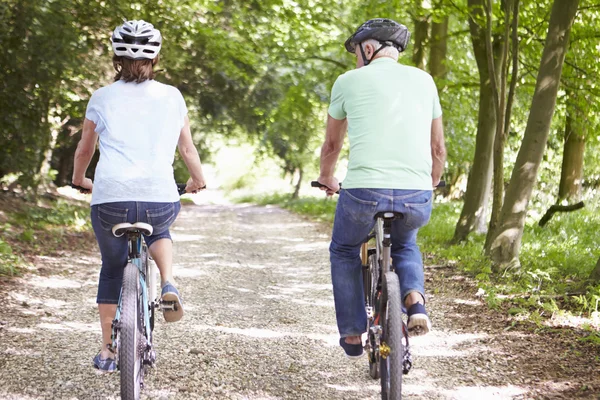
{"x":389,"y":107}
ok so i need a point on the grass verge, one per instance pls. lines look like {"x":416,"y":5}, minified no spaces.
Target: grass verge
{"x":46,"y":226}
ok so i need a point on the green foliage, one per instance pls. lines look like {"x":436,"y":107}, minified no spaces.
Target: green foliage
{"x":555,"y":260}
{"x":320,"y":209}
{"x":9,"y":262}
{"x":58,"y":214}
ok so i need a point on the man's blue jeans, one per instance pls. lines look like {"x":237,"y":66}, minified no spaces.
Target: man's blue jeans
{"x":354,"y":219}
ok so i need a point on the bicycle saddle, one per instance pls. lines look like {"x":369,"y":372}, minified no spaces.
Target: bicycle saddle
{"x":119,"y":229}
{"x":389,"y":215}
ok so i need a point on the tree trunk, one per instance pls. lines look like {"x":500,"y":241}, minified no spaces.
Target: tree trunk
{"x":298,"y":184}
{"x":595,"y":276}
{"x":499,"y":89}
{"x":438,"y":49}
{"x":507,"y":239}
{"x":571,"y":174}
{"x":474,"y":212}
{"x":420,"y":36}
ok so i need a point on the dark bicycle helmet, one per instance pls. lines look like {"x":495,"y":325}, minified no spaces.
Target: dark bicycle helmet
{"x":385,"y":31}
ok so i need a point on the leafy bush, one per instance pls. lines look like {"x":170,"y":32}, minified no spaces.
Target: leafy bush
{"x":58,"y":214}
{"x":9,"y":262}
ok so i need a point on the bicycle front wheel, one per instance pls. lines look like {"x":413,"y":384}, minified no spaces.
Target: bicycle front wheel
{"x":130,"y":346}
{"x":391,"y":349}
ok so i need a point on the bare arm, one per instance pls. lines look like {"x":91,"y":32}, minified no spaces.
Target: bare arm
{"x":190,"y":156}
{"x":438,"y":150}
{"x":84,"y":153}
{"x":330,"y":151}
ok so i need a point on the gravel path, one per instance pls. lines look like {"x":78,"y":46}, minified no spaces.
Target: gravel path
{"x":259,"y":324}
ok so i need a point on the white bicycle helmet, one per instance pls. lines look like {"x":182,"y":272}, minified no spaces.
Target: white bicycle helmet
{"x":136,"y":40}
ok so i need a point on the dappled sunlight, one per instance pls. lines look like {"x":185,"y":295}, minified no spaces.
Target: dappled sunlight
{"x":53,"y":282}
{"x":70,"y":326}
{"x":467,"y":302}
{"x":318,"y":303}
{"x":485,"y":392}
{"x":328,"y":339}
{"x":20,"y":330}
{"x":186,"y":272}
{"x":243,"y":290}
{"x":21,"y":352}
{"x":284,"y":239}
{"x":207,"y":255}
{"x":573,"y":321}
{"x":442,"y":344}
{"x":273,"y":296}
{"x":354,"y":388}
{"x":184,"y":237}
{"x":250,"y":332}
{"x":306,"y":247}
{"x":53,"y":303}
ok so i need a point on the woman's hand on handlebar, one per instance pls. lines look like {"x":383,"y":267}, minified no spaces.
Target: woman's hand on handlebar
{"x":84,"y":186}
{"x":193,"y":186}
{"x":331,"y":185}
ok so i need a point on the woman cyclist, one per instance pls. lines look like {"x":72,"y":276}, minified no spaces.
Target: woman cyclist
{"x":138,"y":122}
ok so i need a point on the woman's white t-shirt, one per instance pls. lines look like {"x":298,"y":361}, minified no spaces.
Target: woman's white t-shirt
{"x":138,"y":125}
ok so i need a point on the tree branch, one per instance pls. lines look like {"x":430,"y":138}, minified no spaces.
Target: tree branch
{"x":558,"y":208}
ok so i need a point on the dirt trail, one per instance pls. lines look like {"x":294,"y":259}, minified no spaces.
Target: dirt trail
{"x":260,"y":324}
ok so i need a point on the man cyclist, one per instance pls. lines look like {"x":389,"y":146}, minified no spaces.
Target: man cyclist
{"x":394,"y":121}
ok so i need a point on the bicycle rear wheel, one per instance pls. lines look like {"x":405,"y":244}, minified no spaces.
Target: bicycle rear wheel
{"x":130,"y":347}
{"x":391,"y":349}
{"x":371,"y":287}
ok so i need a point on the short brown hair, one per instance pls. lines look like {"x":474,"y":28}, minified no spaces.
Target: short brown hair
{"x":136,"y":71}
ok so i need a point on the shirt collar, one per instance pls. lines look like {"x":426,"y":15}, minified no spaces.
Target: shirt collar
{"x":382,"y":60}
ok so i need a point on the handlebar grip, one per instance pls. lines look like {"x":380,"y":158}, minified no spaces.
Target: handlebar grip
{"x":441,"y":184}
{"x":318,"y":184}
{"x":80,"y":188}
{"x":181,"y":188}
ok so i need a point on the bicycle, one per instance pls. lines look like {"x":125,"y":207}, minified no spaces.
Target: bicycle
{"x":387,"y":344}
{"x":133,"y":326}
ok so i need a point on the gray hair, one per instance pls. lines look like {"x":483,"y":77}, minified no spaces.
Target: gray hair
{"x":389,"y":51}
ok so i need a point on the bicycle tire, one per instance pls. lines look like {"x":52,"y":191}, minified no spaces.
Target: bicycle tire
{"x":391,"y":323}
{"x":373,"y":278}
{"x":130,"y":351}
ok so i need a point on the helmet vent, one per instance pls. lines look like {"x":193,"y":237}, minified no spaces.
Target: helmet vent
{"x":132,"y":40}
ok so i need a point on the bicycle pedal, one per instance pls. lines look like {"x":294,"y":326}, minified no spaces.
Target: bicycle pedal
{"x":168,"y":305}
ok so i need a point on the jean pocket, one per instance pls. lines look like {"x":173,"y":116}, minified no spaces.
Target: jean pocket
{"x":110,"y":216}
{"x":418,"y":210}
{"x":161,"y":218}
{"x":358,"y":208}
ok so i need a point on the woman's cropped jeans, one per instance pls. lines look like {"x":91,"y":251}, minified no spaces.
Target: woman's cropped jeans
{"x":114,"y":250}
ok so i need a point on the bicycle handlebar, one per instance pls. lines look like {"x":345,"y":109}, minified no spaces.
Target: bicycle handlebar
{"x":318,"y":184}
{"x":80,"y":188}
{"x":180,"y":188}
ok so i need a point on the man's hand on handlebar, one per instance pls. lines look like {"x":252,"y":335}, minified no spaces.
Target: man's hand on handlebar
{"x":329,"y":184}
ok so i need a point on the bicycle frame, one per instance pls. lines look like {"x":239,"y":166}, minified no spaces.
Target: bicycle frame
{"x":382,"y":251}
